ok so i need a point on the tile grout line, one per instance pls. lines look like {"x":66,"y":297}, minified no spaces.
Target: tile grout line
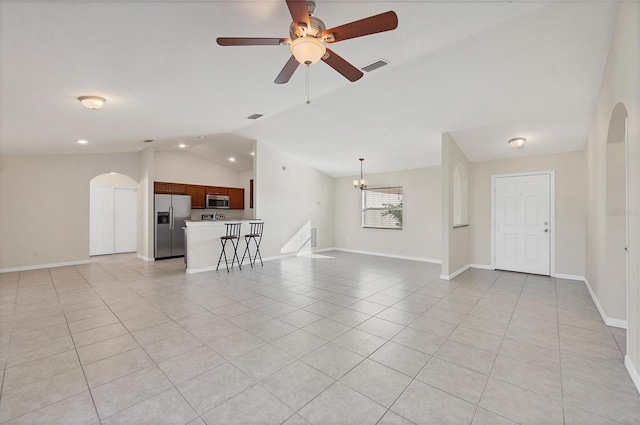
{"x":500,"y":346}
{"x":95,"y":408}
{"x":564,"y":415}
{"x":173,"y":386}
{"x":415,"y":378}
{"x":259,"y":294}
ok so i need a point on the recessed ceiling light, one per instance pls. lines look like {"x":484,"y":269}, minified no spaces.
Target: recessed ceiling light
{"x":253,"y":153}
{"x":182,"y":145}
{"x":83,"y":142}
{"x":517,"y":142}
{"x":113,"y":172}
{"x":232,"y":159}
{"x":92,"y":102}
{"x":201,"y":137}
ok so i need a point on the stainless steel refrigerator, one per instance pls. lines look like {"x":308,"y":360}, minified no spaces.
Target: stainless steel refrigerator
{"x":170,"y":213}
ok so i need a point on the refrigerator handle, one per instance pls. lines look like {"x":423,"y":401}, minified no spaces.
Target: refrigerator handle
{"x":171,"y":224}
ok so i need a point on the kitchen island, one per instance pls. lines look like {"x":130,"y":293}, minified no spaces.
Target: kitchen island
{"x":203,"y":245}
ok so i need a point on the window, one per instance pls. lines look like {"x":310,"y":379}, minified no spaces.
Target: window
{"x":382,"y":208}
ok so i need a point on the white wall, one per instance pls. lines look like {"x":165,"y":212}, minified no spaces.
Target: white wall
{"x":619,"y":84}
{"x":183,"y":167}
{"x":615,"y":302}
{"x":420,"y":236}
{"x":44,"y":205}
{"x":288,"y":199}
{"x":245,"y":177}
{"x":570,"y":211}
{"x":114,"y":180}
{"x":455,"y":241}
{"x":145,"y":205}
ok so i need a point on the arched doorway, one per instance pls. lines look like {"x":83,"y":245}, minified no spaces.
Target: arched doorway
{"x":113,"y":214}
{"x":617,"y":216}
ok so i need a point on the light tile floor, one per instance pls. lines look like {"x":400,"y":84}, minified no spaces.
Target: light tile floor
{"x":338,"y":338}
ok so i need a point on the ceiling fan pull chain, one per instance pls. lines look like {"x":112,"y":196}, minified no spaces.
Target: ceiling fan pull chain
{"x":307,"y":84}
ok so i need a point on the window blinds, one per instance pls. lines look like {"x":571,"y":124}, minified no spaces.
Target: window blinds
{"x":382,"y":208}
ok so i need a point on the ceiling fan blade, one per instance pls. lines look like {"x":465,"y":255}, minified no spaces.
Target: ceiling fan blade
{"x":288,"y":70}
{"x":373,"y":24}
{"x":250,"y":41}
{"x":299,"y":11}
{"x":336,"y":62}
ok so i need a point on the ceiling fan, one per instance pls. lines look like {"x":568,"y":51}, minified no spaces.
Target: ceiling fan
{"x":309,"y":36}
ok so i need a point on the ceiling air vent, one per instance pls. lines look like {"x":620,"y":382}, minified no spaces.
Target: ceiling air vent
{"x":147,"y":141}
{"x":254,"y":116}
{"x":373,"y":66}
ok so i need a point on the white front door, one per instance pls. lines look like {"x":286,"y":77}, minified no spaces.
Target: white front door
{"x":522,"y":223}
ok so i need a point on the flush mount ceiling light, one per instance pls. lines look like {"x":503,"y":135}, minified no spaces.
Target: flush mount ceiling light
{"x":517,"y":142}
{"x":182,"y":146}
{"x":232,"y":159}
{"x":83,"y":142}
{"x":362,"y":183}
{"x":92,"y":102}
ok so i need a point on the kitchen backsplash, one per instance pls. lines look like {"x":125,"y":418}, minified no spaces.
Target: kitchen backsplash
{"x":228,"y":214}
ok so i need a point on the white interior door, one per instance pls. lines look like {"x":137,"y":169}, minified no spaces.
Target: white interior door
{"x":101,"y":221}
{"x":126,"y":219}
{"x":522,"y":223}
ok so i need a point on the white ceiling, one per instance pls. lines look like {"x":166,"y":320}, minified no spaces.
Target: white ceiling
{"x":486,"y":72}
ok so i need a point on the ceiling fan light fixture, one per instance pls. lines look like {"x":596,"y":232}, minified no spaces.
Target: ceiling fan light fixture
{"x":92,"y":102}
{"x":307,"y":50}
{"x":518,"y":142}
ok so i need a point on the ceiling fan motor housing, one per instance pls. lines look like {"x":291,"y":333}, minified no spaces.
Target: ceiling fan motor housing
{"x":297,"y":30}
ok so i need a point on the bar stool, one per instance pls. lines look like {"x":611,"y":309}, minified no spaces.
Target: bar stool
{"x":255,"y":234}
{"x":233,"y":235}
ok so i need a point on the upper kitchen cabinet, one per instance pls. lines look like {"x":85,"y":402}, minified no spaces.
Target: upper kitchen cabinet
{"x":174,"y":188}
{"x":197,"y":195}
{"x":216,"y":190}
{"x":236,"y":199}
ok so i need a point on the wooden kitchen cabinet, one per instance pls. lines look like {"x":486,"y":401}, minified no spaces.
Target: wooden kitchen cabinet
{"x":170,"y":188}
{"x":177,"y":188}
{"x":236,"y":198}
{"x":197,"y":195}
{"x":217,"y":190}
{"x":159,"y":187}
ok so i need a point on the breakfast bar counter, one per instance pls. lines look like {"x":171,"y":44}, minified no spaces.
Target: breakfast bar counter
{"x":203,"y":245}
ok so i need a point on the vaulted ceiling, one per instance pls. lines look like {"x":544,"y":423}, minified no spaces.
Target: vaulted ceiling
{"x":486,"y":72}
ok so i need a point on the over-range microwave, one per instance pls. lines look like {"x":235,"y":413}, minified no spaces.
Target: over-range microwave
{"x":217,"y":201}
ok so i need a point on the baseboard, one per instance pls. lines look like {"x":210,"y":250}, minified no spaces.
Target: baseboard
{"x":633,"y":372}
{"x":147,"y":259}
{"x":569,"y":277}
{"x":456,"y":273}
{"x":382,"y":254}
{"x":43,"y":266}
{"x":616,"y":323}
{"x":481,"y":266}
